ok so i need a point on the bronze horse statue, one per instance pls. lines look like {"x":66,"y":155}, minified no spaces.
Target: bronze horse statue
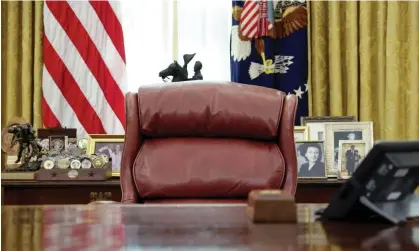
{"x":180,"y":73}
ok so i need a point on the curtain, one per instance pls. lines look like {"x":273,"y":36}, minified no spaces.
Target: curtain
{"x":364,"y":61}
{"x":21,"y":67}
{"x":160,"y":31}
{"x":21,"y":47}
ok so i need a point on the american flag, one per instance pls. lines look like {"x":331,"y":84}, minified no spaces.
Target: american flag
{"x":254,"y":20}
{"x":84,"y":67}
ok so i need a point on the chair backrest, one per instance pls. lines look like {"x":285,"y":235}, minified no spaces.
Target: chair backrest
{"x":207,"y":140}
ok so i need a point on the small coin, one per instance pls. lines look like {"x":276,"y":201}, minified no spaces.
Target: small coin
{"x":73,"y":174}
{"x":75,"y":164}
{"x":98,"y":162}
{"x":86,"y":163}
{"x":48,"y":164}
{"x":64,"y":163}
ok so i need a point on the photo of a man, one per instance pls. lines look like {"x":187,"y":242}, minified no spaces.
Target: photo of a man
{"x":344,"y":135}
{"x":351,"y":153}
{"x":350,"y":159}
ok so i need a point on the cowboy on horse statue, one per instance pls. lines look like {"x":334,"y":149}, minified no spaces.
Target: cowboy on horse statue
{"x":180,"y":73}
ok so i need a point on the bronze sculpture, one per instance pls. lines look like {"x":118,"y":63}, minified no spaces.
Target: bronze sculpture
{"x":24,"y":136}
{"x":180,"y":73}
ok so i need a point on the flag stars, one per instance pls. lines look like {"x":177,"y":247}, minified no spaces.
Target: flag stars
{"x":299,"y":92}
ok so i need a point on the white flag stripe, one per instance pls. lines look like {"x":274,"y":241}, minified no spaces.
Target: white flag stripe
{"x":94,"y":27}
{"x":81,"y":73}
{"x":59,"y":105}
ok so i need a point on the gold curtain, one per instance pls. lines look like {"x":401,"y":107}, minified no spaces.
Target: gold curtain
{"x":21,"y":68}
{"x":364,"y":61}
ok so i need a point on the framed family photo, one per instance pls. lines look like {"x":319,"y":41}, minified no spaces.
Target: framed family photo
{"x":109,"y":144}
{"x":311,"y":160}
{"x":335,"y":132}
{"x":301,"y":133}
{"x":351,"y":153}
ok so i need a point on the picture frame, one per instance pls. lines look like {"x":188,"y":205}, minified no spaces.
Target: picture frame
{"x":305,"y":150}
{"x":301,"y":133}
{"x":109,"y":144}
{"x":326,"y":119}
{"x":353,"y":151}
{"x":316,"y":125}
{"x":345,"y":131}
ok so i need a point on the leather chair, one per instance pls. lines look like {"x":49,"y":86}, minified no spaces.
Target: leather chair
{"x":200,"y":142}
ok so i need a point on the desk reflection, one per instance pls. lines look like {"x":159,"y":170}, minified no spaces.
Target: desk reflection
{"x":210,"y":227}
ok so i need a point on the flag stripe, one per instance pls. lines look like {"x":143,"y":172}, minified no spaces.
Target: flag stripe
{"x":48,"y":117}
{"x":69,"y":89}
{"x":73,"y":62}
{"x":59,"y":105}
{"x":106,"y":14}
{"x":84,"y":67}
{"x":96,"y":31}
{"x":88,"y":51}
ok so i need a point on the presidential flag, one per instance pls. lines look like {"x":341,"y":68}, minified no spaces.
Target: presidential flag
{"x":269,"y":47}
{"x":84,"y":67}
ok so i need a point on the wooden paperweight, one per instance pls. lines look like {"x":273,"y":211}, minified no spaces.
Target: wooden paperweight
{"x":271,"y":206}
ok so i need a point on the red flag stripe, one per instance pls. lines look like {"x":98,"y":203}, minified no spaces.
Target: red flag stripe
{"x":71,"y":91}
{"x":48,"y":118}
{"x":111,"y":23}
{"x":88,"y":51}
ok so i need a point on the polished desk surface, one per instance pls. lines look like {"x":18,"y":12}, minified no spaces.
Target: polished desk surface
{"x":188,"y":227}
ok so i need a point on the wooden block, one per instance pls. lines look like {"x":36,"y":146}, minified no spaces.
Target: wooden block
{"x":271,"y":206}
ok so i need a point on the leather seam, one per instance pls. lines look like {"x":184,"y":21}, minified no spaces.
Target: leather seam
{"x":134,"y":174}
{"x":279,"y":114}
{"x":294,"y":189}
{"x":283,"y":164}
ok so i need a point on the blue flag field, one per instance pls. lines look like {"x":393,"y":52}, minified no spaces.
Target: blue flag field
{"x":269,"y":47}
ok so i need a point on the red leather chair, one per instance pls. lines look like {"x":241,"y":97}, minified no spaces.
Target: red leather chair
{"x":207,"y":142}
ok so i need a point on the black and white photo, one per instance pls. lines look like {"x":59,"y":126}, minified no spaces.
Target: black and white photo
{"x":351,"y":153}
{"x":344,"y":135}
{"x":113,"y":150}
{"x":311,"y":159}
{"x":111,"y":145}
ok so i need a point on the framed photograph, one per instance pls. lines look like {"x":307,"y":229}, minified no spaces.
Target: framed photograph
{"x":311,"y":160}
{"x":351,"y":153}
{"x":301,"y":133}
{"x":316,"y":125}
{"x":324,"y":119}
{"x":109,"y":144}
{"x":345,"y":131}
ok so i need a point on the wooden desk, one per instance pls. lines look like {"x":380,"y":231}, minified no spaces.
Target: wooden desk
{"x":186,"y":227}
{"x":49,"y":193}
